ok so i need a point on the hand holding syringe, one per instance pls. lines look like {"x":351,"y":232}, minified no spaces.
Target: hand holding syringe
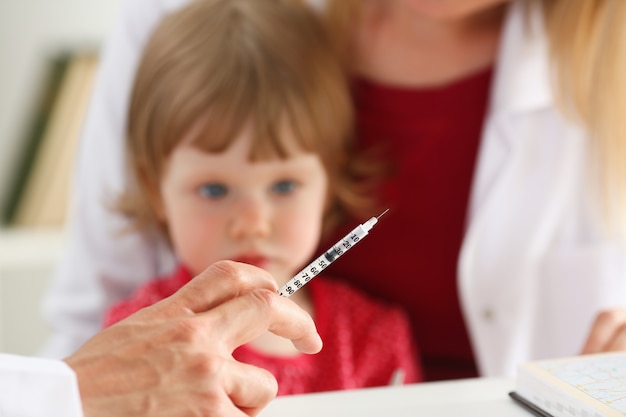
{"x":317,"y":266}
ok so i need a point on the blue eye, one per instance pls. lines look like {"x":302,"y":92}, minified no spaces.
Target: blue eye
{"x":284,"y":187}
{"x":213,"y":191}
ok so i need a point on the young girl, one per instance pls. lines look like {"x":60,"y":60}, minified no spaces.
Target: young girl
{"x":238,"y":141}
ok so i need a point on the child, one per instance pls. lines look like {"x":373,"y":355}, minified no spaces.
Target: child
{"x":238,"y":140}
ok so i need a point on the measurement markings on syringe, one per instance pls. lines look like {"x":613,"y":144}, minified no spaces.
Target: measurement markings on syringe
{"x":319,"y":264}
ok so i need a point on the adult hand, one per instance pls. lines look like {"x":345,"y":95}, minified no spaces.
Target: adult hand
{"x":174,"y":358}
{"x":608,"y":332}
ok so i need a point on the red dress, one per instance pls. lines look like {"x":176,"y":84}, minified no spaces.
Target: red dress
{"x":365,"y":341}
{"x":431,"y":138}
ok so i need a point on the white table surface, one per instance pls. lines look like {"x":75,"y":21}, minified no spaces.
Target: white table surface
{"x":480,"y":397}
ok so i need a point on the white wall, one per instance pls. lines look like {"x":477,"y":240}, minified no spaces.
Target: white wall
{"x":30,"y":32}
{"x":27,"y":259}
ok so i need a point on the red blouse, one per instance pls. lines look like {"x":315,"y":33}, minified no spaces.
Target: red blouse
{"x":431,"y":138}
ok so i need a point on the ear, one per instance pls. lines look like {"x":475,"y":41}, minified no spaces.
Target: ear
{"x":158,"y":207}
{"x":153,"y":193}
{"x":331,"y":197}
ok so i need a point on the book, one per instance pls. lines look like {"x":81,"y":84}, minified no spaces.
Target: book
{"x":45,"y":194}
{"x":55,"y":72}
{"x":579,"y":386}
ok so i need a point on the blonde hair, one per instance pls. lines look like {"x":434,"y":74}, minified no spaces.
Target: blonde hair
{"x":222,"y":63}
{"x":587,"y":41}
{"x":588,"y":45}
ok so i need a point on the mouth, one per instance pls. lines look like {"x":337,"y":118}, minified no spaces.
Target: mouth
{"x":255,"y":260}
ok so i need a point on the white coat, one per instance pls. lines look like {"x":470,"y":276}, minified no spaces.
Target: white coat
{"x":536,"y":264}
{"x":35,"y":387}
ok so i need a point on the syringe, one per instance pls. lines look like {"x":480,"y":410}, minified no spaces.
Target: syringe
{"x":317,"y":266}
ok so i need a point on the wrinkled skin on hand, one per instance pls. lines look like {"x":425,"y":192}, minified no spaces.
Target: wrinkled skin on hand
{"x":175,"y":357}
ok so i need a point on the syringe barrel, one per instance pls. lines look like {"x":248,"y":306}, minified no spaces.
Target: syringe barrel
{"x":322,"y":262}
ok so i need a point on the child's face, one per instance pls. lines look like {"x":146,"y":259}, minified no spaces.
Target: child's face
{"x":222,"y":206}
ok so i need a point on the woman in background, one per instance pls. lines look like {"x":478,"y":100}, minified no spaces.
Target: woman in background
{"x":501,"y":121}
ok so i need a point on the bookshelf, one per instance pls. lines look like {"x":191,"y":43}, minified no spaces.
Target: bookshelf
{"x":41,"y":189}
{"x":31,"y":32}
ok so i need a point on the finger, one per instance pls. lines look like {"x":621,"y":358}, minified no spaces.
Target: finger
{"x":618,"y":340}
{"x":250,"y":388}
{"x":602,"y":331}
{"x":244,"y":318}
{"x":292,"y":322}
{"x":223,"y":407}
{"x":218,"y":283}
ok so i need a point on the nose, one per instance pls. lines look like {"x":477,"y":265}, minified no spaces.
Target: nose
{"x":250,"y":219}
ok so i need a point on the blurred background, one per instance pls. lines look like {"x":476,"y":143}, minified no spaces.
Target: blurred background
{"x":49,"y":55}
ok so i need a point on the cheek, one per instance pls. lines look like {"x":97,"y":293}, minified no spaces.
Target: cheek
{"x":301,"y":228}
{"x":300,"y":237}
{"x":195,"y":239}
